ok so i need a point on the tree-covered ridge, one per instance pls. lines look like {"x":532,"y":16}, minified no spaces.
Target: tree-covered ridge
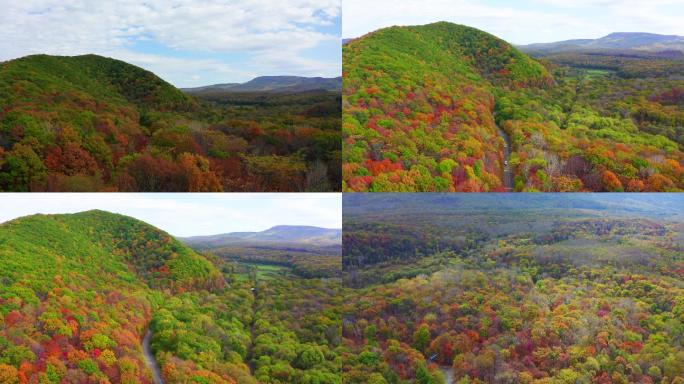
{"x":89,"y":123}
{"x":421,"y":106}
{"x":159,"y":258}
{"x":78,"y":292}
{"x":417,"y":107}
{"x":28,"y":79}
{"x":575,"y":298}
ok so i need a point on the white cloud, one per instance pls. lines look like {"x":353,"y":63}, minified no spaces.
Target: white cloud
{"x":189,"y":214}
{"x":270,"y":62}
{"x":242,"y":27}
{"x":185,"y":72}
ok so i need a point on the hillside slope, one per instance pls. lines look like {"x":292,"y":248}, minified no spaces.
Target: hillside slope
{"x":76,"y":123}
{"x":78,"y":292}
{"x":418,"y":105}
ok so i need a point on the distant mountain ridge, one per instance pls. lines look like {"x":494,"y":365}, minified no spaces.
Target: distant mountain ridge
{"x":617,"y":40}
{"x":281,"y":234}
{"x":277,"y":84}
{"x":647,"y":204}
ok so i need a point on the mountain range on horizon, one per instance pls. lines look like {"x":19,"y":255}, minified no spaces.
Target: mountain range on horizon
{"x":614,"y":204}
{"x":279,"y":234}
{"x":641,"y":41}
{"x":275,"y":84}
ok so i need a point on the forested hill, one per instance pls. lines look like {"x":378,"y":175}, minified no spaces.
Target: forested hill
{"x":76,"y":294}
{"x":418,"y":105}
{"x":448,"y":108}
{"x":447,"y":49}
{"x":96,"y":237}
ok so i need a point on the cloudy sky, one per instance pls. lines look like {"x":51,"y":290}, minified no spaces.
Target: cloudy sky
{"x":186,"y":42}
{"x":189,"y":214}
{"x":521,"y":21}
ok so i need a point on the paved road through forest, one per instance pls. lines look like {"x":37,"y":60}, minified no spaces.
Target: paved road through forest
{"x":448,"y":373}
{"x":149,"y":358}
{"x":507,"y":171}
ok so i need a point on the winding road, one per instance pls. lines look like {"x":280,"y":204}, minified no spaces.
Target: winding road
{"x":507,"y":171}
{"x":149,"y":358}
{"x":448,"y":373}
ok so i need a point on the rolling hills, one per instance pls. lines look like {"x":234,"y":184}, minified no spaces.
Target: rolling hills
{"x":421,"y":107}
{"x":308,"y":251}
{"x":281,"y":234}
{"x":90,"y":123}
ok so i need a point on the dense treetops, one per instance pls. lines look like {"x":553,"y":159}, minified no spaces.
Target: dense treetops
{"x":566,"y":296}
{"x":89,"y":123}
{"x":421,"y":105}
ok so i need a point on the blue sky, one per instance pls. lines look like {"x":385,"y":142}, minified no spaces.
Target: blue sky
{"x":189,"y":214}
{"x":521,"y":21}
{"x":186,"y":42}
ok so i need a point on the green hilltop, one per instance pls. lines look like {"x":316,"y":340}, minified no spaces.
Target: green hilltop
{"x":456,"y":52}
{"x":100,"y":244}
{"x":92,"y":77}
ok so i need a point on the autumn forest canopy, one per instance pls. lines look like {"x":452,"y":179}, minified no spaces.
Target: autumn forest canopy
{"x":431,"y":108}
{"x":484,"y":288}
{"x":89,"y":123}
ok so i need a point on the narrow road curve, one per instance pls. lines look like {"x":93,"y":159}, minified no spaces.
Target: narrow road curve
{"x":448,"y":373}
{"x":507,"y":171}
{"x":149,"y":358}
